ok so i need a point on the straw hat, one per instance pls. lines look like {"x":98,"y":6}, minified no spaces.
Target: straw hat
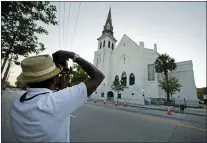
{"x":37,"y":68}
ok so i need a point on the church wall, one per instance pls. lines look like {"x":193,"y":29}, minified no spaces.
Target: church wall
{"x":184,"y":73}
{"x":129,"y":50}
{"x":150,"y":87}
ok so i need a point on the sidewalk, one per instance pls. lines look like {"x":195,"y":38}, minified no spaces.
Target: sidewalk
{"x":191,"y":111}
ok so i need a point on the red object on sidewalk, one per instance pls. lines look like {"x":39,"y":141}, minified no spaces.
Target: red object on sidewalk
{"x":125,"y":104}
{"x":95,"y":101}
{"x":169,"y":111}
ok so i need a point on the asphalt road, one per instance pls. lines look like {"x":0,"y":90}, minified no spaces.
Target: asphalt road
{"x":93,"y":123}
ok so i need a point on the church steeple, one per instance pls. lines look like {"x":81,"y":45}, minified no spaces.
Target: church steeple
{"x":108,"y":25}
{"x":108,"y":28}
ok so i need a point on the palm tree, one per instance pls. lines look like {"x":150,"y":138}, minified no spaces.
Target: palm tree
{"x":164,"y":64}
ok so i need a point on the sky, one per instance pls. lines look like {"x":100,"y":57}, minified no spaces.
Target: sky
{"x":178,"y":28}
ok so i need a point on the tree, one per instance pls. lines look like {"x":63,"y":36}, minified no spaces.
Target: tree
{"x":77,"y":75}
{"x":118,"y":86}
{"x":201,"y":92}
{"x":20,"y":24}
{"x":165,"y":64}
{"x":173,"y":85}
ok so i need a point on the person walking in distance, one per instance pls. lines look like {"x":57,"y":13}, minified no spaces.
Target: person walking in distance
{"x":42,"y":114}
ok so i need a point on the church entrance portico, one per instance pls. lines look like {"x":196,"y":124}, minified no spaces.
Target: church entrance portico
{"x":110,"y":96}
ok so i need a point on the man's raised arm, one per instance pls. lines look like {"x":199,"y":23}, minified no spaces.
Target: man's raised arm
{"x":96,"y":76}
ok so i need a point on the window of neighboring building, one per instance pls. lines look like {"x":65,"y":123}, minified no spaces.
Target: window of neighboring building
{"x":124,"y":78}
{"x":131,"y":79}
{"x":109,"y":43}
{"x":102,"y":94}
{"x":151,"y":72}
{"x":112,"y":46}
{"x":119,"y":96}
{"x":104,"y":43}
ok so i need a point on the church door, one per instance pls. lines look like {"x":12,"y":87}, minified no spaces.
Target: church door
{"x":110,"y":96}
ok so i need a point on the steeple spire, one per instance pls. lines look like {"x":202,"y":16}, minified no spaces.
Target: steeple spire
{"x":108,"y":25}
{"x":109,"y":17}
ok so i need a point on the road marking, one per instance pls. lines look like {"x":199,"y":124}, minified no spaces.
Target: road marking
{"x":150,"y":118}
{"x":192,"y":127}
{"x":72,"y":116}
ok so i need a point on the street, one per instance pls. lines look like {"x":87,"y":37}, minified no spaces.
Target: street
{"x":94,"y":123}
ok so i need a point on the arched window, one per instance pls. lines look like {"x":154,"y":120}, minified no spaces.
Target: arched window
{"x":112,"y":46}
{"x":109,"y":44}
{"x":100,"y":45}
{"x":124,"y":78}
{"x":116,"y":80}
{"x":104,"y":43}
{"x":131,"y":79}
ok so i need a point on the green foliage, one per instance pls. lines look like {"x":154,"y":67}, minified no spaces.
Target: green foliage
{"x":201,"y":92}
{"x":173,"y":85}
{"x":118,"y":85}
{"x":20,"y":24}
{"x":164,"y":64}
{"x":77,"y":75}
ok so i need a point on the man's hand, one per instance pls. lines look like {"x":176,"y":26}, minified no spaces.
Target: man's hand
{"x":60,"y":57}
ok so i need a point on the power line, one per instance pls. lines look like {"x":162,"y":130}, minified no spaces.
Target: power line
{"x":59,"y":25}
{"x":75,"y":25}
{"x":68,"y":25}
{"x":63,"y":21}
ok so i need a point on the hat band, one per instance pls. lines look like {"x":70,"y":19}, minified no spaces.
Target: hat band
{"x":40,"y":73}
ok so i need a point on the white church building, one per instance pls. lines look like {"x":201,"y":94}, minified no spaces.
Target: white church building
{"x":134,"y":63}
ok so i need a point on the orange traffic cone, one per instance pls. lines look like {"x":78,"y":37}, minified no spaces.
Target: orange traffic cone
{"x":125,"y":104}
{"x":104,"y":101}
{"x":168,"y":111}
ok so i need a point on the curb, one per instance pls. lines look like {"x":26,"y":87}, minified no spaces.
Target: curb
{"x":171,"y":110}
{"x":164,"y":110}
{"x":134,"y":111}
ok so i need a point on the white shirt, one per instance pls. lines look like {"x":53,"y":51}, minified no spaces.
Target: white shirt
{"x":46,"y":118}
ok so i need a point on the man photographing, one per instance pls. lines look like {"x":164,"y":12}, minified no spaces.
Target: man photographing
{"x":41,"y":114}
